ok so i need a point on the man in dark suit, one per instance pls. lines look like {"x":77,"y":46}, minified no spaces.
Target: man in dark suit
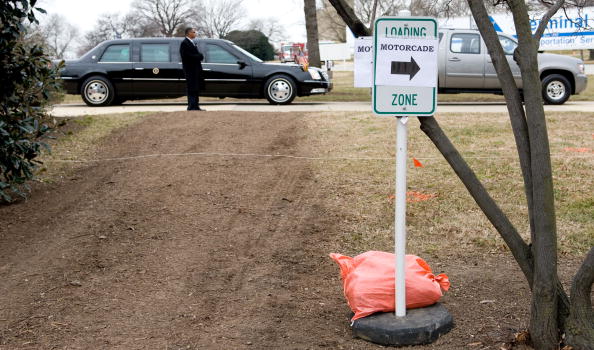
{"x":191,"y":62}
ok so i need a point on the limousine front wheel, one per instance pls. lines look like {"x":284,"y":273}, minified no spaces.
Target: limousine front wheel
{"x":97,"y":91}
{"x":280,"y":90}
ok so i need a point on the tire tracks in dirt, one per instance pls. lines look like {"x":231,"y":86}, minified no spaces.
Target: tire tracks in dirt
{"x":188,"y":252}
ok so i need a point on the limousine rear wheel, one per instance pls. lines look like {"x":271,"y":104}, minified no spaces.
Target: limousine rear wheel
{"x":97,"y":91}
{"x":280,"y":90}
{"x":555,"y":89}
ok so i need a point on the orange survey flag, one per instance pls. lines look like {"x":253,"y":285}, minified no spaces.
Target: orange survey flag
{"x":417,"y":163}
{"x":368,"y":281}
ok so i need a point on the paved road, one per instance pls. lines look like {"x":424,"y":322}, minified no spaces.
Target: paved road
{"x":71,"y":110}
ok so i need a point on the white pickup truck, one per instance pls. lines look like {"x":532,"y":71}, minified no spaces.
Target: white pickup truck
{"x":465,"y":66}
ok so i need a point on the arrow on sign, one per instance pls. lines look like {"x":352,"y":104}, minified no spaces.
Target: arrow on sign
{"x":410,"y":68}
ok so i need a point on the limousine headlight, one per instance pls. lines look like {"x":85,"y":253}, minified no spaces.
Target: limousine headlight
{"x":315,"y":74}
{"x":581,"y":68}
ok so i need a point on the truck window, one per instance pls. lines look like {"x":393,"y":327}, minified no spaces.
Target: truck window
{"x":508,"y":45}
{"x":116,"y":53}
{"x":465,"y":43}
{"x":154,"y":53}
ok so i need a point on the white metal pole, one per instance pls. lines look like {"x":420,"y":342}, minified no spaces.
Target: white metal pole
{"x":400,"y":214}
{"x":400,"y":207}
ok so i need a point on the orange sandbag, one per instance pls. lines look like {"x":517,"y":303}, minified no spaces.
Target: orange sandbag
{"x":368,"y":281}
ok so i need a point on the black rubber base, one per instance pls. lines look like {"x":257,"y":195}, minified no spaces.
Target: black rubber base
{"x":419,"y":326}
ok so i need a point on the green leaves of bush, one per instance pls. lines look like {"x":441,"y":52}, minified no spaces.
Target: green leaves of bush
{"x":27,"y":81}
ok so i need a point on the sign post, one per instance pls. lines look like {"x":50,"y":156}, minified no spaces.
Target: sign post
{"x":404,"y":84}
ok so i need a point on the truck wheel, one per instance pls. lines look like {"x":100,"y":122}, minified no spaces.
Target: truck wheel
{"x":97,"y":91}
{"x":280,"y":90}
{"x":555,"y":89}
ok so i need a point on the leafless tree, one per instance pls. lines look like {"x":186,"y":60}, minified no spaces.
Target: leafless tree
{"x":218,"y":17}
{"x":555,"y":317}
{"x":311,"y":26}
{"x":270,"y":26}
{"x":115,"y":26}
{"x":167,"y":15}
{"x":330,"y":25}
{"x":135,"y":25}
{"x":443,"y":8}
{"x":367,"y":11}
{"x":56,"y":35}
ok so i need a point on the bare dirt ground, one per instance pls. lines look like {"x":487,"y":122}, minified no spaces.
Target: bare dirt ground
{"x":206,"y":252}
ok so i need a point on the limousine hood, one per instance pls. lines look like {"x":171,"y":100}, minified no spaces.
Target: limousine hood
{"x":282,"y":64}
{"x":285,"y":64}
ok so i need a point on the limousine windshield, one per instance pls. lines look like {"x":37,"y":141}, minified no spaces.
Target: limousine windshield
{"x":248,"y":54}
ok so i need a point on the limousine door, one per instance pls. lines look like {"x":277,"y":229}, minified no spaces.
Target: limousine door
{"x":116,"y":60}
{"x":223,"y":75}
{"x":156,"y":73}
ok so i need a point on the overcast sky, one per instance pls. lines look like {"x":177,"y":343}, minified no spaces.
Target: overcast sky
{"x":84,"y":13}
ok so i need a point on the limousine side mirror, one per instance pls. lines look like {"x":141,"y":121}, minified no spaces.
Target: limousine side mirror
{"x":241,"y":64}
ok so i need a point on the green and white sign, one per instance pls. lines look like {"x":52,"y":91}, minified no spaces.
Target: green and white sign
{"x":405,"y":66}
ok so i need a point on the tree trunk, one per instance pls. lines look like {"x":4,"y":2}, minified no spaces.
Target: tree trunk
{"x":519,"y":127}
{"x":311,"y":25}
{"x":580,"y":323}
{"x":543,"y":316}
{"x":373,"y":14}
{"x":591,"y":55}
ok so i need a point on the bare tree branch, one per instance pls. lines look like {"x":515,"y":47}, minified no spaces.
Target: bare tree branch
{"x":345,"y":11}
{"x":167,"y":15}
{"x":270,"y":26}
{"x":512,"y":97}
{"x":219,"y":17}
{"x":331,"y":26}
{"x":56,"y":34}
{"x":373,"y":12}
{"x":544,"y":21}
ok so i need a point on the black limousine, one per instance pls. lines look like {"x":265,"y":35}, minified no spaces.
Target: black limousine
{"x":146,"y":68}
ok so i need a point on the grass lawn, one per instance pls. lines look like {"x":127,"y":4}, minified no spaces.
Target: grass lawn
{"x":441,"y":214}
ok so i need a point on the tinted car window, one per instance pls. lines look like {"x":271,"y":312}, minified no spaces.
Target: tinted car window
{"x":116,"y":53}
{"x":508,"y":45}
{"x":154,"y":53}
{"x":465,"y":43}
{"x":216,"y":54}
